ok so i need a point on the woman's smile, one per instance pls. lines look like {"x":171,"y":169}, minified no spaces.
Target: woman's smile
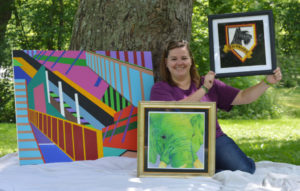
{"x":179,"y":63}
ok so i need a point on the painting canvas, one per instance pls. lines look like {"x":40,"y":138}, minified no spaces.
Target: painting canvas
{"x":176,"y":139}
{"x":78,"y":105}
{"x":242,"y":44}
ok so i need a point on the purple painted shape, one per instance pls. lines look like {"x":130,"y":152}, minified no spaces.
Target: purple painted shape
{"x":83,"y":121}
{"x":116,"y":125}
{"x":40,"y":137}
{"x":56,"y":99}
{"x":122,"y":56}
{"x":131,"y":57}
{"x":58,"y":53}
{"x":101,"y":52}
{"x":127,"y":124}
{"x":74,"y":54}
{"x":139,"y":58}
{"x":113,"y":54}
{"x":71,"y":110}
{"x":148,"y":60}
{"x":83,"y":76}
{"x":106,"y":130}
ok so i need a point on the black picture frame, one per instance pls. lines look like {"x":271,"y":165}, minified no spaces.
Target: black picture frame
{"x":242,"y":44}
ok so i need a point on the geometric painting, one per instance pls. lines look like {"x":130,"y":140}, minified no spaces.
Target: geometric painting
{"x":78,"y":105}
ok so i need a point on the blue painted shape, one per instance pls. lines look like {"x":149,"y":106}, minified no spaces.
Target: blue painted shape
{"x":99,"y":67}
{"x":20,"y":80}
{"x":112,"y":74}
{"x":21,"y":99}
{"x":40,"y":137}
{"x":28,"y":145}
{"x":103,"y":68}
{"x":29,"y":162}
{"x":21,"y":112}
{"x":20,"y":93}
{"x":24,"y":128}
{"x":148,"y":82}
{"x":107,"y":71}
{"x":56,"y":61}
{"x":92,"y":62}
{"x":52,"y":154}
{"x":25,"y":136}
{"x":135,"y":84}
{"x":38,"y":54}
{"x":74,"y":62}
{"x":20,"y":87}
{"x":41,"y":55}
{"x":48,"y":57}
{"x":108,"y":151}
{"x":20,"y":74}
{"x":21,"y":119}
{"x":118,"y":77}
{"x":21,"y":105}
{"x":27,"y":154}
{"x":125,"y":82}
{"x":97,"y":82}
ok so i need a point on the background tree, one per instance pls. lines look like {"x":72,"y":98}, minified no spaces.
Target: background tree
{"x":131,"y":25}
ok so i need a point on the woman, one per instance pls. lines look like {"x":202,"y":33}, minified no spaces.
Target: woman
{"x":180,"y":81}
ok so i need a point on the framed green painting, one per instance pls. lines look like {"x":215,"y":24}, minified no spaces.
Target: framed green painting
{"x":176,"y":138}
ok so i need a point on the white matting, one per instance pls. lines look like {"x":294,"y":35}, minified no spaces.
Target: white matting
{"x":119,"y":174}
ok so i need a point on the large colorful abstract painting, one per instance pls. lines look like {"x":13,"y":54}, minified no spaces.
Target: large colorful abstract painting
{"x":78,"y":105}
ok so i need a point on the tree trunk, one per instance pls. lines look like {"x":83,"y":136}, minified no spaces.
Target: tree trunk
{"x":143,"y":25}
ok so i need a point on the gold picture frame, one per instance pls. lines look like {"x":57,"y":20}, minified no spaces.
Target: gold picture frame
{"x":166,"y":149}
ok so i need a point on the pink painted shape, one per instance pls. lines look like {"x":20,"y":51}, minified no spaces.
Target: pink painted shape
{"x":82,"y":76}
{"x":39,"y":98}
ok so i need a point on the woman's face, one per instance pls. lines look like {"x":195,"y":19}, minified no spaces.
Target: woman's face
{"x":179,"y":63}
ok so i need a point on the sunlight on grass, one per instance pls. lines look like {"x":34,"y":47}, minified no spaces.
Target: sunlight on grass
{"x":8,"y":137}
{"x":276,"y":140}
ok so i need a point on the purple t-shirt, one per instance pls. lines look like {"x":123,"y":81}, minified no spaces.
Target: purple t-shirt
{"x":220,"y":93}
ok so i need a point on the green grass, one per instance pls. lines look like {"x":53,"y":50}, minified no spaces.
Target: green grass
{"x":276,"y":140}
{"x":8,"y":138}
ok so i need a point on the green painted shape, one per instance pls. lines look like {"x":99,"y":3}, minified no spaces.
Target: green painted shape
{"x":106,"y":97}
{"x":38,"y":79}
{"x":112,"y":101}
{"x":120,"y":130}
{"x":63,"y":60}
{"x":118,"y":102}
{"x":16,"y":63}
{"x":53,"y":95}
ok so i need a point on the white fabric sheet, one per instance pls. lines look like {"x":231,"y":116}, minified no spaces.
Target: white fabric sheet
{"x":119,"y":174}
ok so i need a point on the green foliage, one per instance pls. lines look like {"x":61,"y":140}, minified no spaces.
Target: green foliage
{"x":286,"y":19}
{"x":37,"y":25}
{"x":7,"y":105}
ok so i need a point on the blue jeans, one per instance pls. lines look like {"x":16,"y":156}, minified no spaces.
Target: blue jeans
{"x":230,"y":157}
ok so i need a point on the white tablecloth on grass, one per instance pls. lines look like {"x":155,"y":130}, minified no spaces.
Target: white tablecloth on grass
{"x":119,"y":174}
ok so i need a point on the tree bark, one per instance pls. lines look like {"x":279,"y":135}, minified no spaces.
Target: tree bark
{"x":142,"y":25}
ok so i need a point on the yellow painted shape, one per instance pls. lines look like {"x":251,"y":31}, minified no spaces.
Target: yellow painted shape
{"x":95,"y":100}
{"x":31,"y":71}
{"x":99,"y":144}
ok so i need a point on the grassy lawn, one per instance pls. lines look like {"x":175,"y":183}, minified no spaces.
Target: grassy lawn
{"x":8,"y":138}
{"x":277,"y":140}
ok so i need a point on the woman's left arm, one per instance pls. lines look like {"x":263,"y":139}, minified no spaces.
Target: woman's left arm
{"x":251,"y":94}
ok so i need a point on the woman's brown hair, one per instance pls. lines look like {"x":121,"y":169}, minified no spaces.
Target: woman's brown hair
{"x":165,"y":74}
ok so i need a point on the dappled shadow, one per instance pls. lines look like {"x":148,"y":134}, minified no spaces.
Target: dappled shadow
{"x":259,"y":149}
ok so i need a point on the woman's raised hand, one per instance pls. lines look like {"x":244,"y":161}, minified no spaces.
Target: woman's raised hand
{"x":209,"y":79}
